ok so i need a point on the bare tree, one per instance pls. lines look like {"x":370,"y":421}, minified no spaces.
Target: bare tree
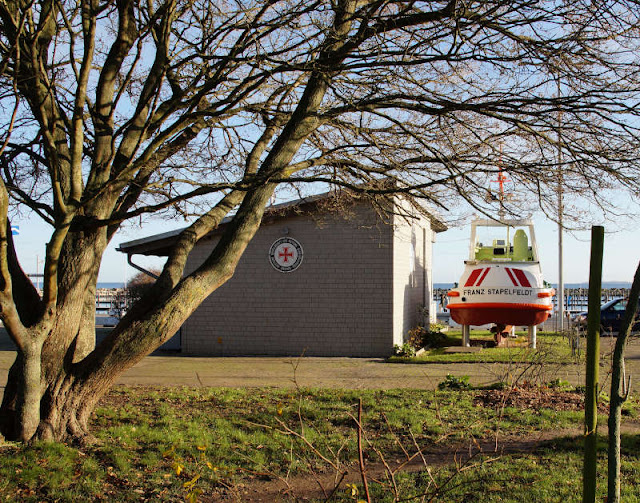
{"x":140,"y":284}
{"x":620,"y":391}
{"x":117,"y":109}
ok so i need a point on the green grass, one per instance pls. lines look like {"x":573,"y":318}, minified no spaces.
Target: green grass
{"x":174,"y":444}
{"x":554,"y":474}
{"x":551,"y":348}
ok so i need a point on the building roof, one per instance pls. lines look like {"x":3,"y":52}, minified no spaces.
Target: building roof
{"x":160,"y":244}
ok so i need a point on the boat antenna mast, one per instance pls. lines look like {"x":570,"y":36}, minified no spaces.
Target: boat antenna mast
{"x":502,"y":196}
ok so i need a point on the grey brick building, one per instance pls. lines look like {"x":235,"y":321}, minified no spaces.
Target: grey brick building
{"x":360,"y":283}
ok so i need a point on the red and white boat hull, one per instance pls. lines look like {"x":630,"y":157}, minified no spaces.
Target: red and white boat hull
{"x":482,"y":313}
{"x":505,"y":293}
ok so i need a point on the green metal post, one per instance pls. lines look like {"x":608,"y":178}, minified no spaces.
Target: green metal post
{"x":593,"y":354}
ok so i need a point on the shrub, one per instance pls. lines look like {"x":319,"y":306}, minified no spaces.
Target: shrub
{"x":436,"y":327}
{"x":421,"y":337}
{"x":453,"y":382}
{"x":559,"y":384}
{"x":406,"y":349}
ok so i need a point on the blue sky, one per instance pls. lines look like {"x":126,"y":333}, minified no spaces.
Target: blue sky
{"x":621,"y":252}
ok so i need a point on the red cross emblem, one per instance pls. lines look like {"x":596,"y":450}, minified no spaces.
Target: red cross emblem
{"x":285,"y":254}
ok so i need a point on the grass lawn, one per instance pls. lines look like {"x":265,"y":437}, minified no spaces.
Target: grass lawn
{"x":551,"y":348}
{"x":212,"y":444}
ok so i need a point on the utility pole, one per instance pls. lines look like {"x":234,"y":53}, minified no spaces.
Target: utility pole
{"x":560,"y":293}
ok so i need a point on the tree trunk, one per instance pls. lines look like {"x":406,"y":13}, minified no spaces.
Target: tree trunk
{"x":20,"y":410}
{"x":618,"y":391}
{"x":85,"y":340}
{"x":28,"y":403}
{"x":67,"y":407}
{"x":55,"y":340}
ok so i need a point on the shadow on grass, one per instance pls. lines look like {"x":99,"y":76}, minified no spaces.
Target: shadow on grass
{"x":629,"y":445}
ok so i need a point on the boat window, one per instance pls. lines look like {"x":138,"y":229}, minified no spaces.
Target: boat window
{"x":502,"y":244}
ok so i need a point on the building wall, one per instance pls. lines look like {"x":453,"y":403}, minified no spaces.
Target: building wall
{"x":337,"y":303}
{"x":412,"y":282}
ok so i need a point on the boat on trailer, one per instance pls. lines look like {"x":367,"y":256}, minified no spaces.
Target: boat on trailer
{"x":502,"y":280}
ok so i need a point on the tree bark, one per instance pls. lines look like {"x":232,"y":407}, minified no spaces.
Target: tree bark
{"x":53,"y":340}
{"x":619,"y":392}
{"x":28,"y":403}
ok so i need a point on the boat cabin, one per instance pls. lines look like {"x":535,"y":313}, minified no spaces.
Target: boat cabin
{"x":515,"y":241}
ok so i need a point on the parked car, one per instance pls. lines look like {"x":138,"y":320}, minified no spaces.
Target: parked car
{"x":611,"y":314}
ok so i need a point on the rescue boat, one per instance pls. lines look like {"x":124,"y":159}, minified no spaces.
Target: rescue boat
{"x":502,"y":280}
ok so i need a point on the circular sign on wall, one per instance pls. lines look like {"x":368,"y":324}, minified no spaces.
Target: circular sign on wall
{"x":285,"y":254}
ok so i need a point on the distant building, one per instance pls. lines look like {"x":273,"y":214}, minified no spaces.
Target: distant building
{"x":318,"y":279}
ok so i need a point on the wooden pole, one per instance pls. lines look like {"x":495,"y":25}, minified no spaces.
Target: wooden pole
{"x":593,"y":354}
{"x":363,"y":472}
